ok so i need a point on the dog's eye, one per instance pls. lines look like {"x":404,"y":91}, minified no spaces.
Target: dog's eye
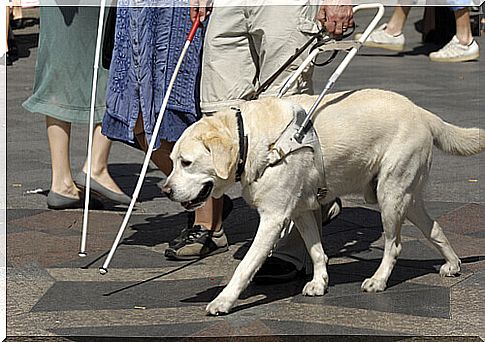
{"x":186,"y":163}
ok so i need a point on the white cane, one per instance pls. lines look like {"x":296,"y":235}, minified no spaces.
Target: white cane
{"x":82,"y":252}
{"x":104,"y":268}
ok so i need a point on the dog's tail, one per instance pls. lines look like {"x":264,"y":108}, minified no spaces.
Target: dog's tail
{"x":455,"y":140}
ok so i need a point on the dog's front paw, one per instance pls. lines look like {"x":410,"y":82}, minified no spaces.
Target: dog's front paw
{"x":373,"y":285}
{"x":315,"y":288}
{"x":450,"y":270}
{"x":219,"y":306}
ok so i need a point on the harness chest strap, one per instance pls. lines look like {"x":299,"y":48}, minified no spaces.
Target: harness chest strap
{"x":243,"y":144}
{"x":285,"y":145}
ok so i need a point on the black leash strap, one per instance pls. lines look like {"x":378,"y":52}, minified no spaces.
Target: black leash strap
{"x":319,"y":36}
{"x":265,"y":85}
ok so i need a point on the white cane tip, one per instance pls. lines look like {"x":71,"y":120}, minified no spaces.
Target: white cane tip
{"x":83,"y":254}
{"x":103,"y":270}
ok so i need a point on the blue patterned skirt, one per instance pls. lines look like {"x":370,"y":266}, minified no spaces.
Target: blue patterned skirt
{"x":148,"y":43}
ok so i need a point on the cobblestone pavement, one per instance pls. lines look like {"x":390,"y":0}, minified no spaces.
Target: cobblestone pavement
{"x":53,"y":292}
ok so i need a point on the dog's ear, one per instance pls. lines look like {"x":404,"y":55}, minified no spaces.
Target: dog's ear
{"x":223,"y":154}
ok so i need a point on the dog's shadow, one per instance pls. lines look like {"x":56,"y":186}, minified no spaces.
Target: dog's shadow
{"x":126,"y":176}
{"x":350,"y":238}
{"x":340,"y":274}
{"x":240,"y":226}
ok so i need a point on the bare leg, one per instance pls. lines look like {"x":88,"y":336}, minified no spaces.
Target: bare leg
{"x":210,"y":215}
{"x":463,"y":27}
{"x":58,"y":135}
{"x":99,"y":166}
{"x":398,"y":20}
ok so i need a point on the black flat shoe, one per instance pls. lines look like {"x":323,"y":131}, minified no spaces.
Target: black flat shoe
{"x":57,"y":201}
{"x":98,"y":189}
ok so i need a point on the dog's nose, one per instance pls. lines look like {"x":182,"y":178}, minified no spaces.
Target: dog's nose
{"x":167,"y":190}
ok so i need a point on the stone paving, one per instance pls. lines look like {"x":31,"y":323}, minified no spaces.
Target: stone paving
{"x":52,"y":292}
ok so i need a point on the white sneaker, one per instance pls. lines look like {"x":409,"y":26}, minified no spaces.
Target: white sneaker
{"x":454,"y":51}
{"x":381,"y":39}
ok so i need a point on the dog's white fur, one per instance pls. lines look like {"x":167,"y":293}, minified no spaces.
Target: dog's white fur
{"x":365,"y":135}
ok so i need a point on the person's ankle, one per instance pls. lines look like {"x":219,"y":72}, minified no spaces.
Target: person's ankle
{"x":66,"y":188}
{"x":464,"y":39}
{"x":209,"y":227}
{"x":96,"y":171}
{"x":393,"y":31}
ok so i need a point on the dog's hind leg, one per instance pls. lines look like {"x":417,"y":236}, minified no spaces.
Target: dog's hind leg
{"x":269,"y":231}
{"x":393,"y":200}
{"x":432,"y":231}
{"x":309,"y":229}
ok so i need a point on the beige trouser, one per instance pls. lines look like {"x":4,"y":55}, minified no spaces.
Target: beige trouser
{"x":244,"y":46}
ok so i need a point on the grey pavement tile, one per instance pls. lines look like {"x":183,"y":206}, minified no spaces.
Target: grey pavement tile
{"x":55,"y":222}
{"x":231,"y":327}
{"x":36,"y":247}
{"x":15,"y":214}
{"x":437,"y":208}
{"x":155,"y":330}
{"x":467,"y":299}
{"x":407,"y":298}
{"x":126,"y":257}
{"x":25,"y":285}
{"x":11,"y":228}
{"x":125,"y":295}
{"x":468,"y":219}
{"x":312,"y":328}
{"x":479,"y":235}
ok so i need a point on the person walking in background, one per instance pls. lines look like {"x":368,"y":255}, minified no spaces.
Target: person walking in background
{"x":461,"y":48}
{"x":62,"y":92}
{"x":148,"y":42}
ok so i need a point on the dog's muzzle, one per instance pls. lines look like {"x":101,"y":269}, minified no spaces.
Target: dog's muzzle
{"x":203,"y":195}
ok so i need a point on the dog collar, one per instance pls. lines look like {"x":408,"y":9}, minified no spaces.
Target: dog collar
{"x":243,"y":144}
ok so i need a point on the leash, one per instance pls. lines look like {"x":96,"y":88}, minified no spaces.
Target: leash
{"x":320,"y":35}
{"x":322,"y":39}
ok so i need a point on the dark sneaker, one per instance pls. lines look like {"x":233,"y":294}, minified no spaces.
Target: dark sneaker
{"x":199,"y":243}
{"x":176,"y":243}
{"x":275,"y":270}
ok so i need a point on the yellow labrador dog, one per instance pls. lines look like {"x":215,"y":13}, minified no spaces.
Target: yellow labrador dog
{"x":364,"y":135}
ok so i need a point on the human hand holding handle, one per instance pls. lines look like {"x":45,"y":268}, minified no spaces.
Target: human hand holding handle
{"x":336,"y":16}
{"x":201,"y":8}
